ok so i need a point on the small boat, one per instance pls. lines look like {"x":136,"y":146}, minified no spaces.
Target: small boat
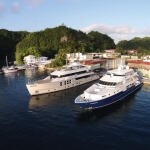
{"x":8,"y":69}
{"x":69,"y":76}
{"x":115,"y":86}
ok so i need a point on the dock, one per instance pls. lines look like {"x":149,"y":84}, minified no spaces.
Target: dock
{"x":146,"y":81}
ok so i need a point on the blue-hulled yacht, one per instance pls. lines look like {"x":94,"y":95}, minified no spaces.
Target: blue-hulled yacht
{"x":116,"y":85}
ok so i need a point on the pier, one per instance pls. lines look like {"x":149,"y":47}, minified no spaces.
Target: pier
{"x":146,"y":81}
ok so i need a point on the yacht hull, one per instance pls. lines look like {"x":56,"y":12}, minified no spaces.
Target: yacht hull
{"x":47,"y":86}
{"x":107,"y":101}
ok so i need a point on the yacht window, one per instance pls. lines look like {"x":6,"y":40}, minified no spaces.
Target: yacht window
{"x":114,"y":84}
{"x":104,"y":96}
{"x":107,"y":83}
{"x":69,"y":81}
{"x":108,"y":74}
{"x":118,"y":75}
{"x":60,"y":83}
{"x":82,"y":77}
{"x":54,"y":76}
{"x":70,"y":74}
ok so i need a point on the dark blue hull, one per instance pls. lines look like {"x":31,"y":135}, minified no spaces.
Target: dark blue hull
{"x":108,"y":101}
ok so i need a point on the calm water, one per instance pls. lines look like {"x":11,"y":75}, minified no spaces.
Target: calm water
{"x":54,"y":122}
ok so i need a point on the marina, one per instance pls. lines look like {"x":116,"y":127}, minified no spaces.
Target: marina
{"x":43,"y":121}
{"x":72,"y":78}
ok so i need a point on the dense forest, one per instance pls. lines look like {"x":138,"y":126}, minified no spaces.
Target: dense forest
{"x":50,"y":42}
{"x":8,"y":42}
{"x":142,"y":45}
{"x":62,"y":40}
{"x":56,"y":42}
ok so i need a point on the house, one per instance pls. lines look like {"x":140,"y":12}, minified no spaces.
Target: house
{"x":143,"y":66}
{"x":110,"y":51}
{"x":72,"y":57}
{"x":105,"y":63}
{"x":146,"y":58}
{"x":42,"y":60}
{"x":125,"y":56}
{"x":139,"y":64}
{"x":32,"y":60}
{"x":133,"y":51}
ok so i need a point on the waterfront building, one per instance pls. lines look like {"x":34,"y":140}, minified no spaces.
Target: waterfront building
{"x":73,"y":57}
{"x":132,"y":52}
{"x":142,"y":66}
{"x":33,"y":60}
{"x":30,"y":59}
{"x":103,"y":63}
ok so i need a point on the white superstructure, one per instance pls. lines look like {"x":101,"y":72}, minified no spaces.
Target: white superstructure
{"x":112,"y":87}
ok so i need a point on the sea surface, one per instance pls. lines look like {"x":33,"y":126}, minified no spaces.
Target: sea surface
{"x":54,"y":122}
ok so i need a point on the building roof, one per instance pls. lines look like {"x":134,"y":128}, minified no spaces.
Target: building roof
{"x":140,"y":62}
{"x":92,"y":62}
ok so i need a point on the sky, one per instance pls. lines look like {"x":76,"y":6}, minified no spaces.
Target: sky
{"x":119,"y":19}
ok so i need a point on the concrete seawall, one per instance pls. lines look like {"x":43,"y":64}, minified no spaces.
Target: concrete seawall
{"x":146,"y":81}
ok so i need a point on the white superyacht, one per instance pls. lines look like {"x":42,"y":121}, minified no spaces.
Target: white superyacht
{"x":69,"y":76}
{"x":116,"y":85}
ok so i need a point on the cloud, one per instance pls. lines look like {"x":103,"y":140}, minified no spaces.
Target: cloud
{"x":107,"y":29}
{"x":15,"y":7}
{"x":146,"y":30}
{"x":123,"y":32}
{"x":33,"y":3}
{"x":2,"y":8}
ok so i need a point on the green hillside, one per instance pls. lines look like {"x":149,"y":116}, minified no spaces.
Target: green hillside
{"x":8,"y":42}
{"x":142,"y":45}
{"x":50,"y":41}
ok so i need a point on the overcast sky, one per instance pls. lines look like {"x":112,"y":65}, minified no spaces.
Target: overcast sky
{"x":119,"y":19}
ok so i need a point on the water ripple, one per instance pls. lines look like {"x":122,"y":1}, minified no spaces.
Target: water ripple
{"x":53,"y":121}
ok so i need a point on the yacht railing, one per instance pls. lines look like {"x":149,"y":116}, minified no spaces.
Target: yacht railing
{"x":31,"y":81}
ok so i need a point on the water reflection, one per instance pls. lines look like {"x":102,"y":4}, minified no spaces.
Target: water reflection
{"x":49,"y":100}
{"x":43,"y":100}
{"x":32,"y":73}
{"x":10,"y":75}
{"x":146,"y":88}
{"x":35,"y":74}
{"x":65,"y":98}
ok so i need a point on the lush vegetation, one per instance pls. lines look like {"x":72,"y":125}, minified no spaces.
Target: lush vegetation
{"x":142,"y":45}
{"x":56,"y":42}
{"x":8,"y":42}
{"x":59,"y":40}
